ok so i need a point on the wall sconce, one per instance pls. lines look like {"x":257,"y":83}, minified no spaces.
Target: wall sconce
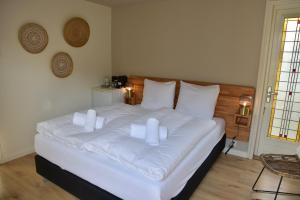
{"x":245,"y":103}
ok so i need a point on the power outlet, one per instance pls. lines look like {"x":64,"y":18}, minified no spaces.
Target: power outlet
{"x":234,"y":143}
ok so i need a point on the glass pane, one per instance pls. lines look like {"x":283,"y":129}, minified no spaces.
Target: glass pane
{"x":276,"y":122}
{"x":288,"y":46}
{"x":297,"y":97}
{"x":284,"y":76}
{"x":291,"y":25}
{"x":296,"y":107}
{"x":295,"y":116}
{"x":287,"y":57}
{"x":279,"y":105}
{"x":292,"y":134}
{"x":297,"y":87}
{"x":275,"y":131}
{"x":293,"y":125}
{"x":281,"y":95}
{"x":286,"y":66}
{"x":297,"y":78}
{"x":286,"y":104}
{"x":290,"y":36}
{"x":283,"y":86}
{"x":278,"y":114}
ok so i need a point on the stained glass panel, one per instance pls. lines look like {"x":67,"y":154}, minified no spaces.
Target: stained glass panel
{"x":285,"y":116}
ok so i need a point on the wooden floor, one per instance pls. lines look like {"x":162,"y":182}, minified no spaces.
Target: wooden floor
{"x":230,"y":178}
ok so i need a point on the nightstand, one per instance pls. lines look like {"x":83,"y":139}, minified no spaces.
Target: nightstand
{"x":106,"y":96}
{"x":130,"y":101}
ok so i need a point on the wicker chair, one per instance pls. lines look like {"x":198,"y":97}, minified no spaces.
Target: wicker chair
{"x":282,"y":165}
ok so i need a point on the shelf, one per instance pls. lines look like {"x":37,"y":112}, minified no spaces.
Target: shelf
{"x":130,"y":101}
{"x":242,"y":121}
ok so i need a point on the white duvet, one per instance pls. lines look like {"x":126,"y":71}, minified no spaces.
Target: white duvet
{"x":63,"y":129}
{"x":154,"y":162}
{"x":114,"y":141}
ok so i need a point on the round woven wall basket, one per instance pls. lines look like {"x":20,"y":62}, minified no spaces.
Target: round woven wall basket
{"x":77,"y":32}
{"x":62,"y":65}
{"x":33,"y":37}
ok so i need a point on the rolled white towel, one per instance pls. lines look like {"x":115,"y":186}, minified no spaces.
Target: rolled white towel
{"x":298,"y":151}
{"x":152,"y":132}
{"x":163,"y":132}
{"x":79,"y":118}
{"x":99,"y":122}
{"x":139,"y":131}
{"x":90,"y":122}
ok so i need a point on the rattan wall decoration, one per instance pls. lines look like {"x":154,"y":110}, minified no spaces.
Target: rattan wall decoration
{"x":62,"y":65}
{"x":76,"y":32}
{"x":33,"y":37}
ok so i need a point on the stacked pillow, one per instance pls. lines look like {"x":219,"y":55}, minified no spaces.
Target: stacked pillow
{"x":158,"y":95}
{"x":198,"y":101}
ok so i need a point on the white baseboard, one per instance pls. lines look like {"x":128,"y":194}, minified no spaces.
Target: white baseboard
{"x":238,"y":153}
{"x":17,"y":155}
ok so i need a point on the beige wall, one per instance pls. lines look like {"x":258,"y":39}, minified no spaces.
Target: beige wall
{"x":206,"y":40}
{"x":29,"y":92}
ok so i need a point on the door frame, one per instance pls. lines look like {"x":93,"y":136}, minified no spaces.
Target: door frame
{"x":272,"y":6}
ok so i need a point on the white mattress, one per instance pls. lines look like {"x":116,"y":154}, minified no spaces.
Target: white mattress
{"x":124,"y":182}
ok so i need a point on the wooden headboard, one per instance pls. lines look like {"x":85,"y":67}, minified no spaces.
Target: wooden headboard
{"x":227,"y":105}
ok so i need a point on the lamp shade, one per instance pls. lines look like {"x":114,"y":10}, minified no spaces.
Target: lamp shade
{"x":245,"y":100}
{"x":129,"y":90}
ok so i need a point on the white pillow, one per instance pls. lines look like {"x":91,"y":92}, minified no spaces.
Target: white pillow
{"x":198,"y":101}
{"x":158,"y":95}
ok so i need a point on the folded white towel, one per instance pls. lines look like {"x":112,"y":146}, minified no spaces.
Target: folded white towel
{"x":152,"y":132}
{"x":163,"y":132}
{"x":298,"y":151}
{"x":139,"y":131}
{"x":68,"y":130}
{"x":99,"y":122}
{"x":80,"y":120}
{"x":90,"y":122}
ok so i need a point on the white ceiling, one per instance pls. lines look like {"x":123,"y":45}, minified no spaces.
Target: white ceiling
{"x":117,"y":2}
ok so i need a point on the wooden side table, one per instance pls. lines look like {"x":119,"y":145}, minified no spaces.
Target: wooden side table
{"x":130,"y":101}
{"x":282,"y":165}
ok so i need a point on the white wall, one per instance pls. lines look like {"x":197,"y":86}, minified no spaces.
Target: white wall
{"x":29,"y":92}
{"x":205,"y":40}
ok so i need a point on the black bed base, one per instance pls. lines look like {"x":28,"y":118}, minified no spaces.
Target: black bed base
{"x":84,"y":190}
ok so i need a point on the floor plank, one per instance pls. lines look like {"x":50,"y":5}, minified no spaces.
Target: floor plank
{"x":231,"y":178}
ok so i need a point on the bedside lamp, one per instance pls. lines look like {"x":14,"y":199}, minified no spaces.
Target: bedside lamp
{"x":245,"y":102}
{"x":242,"y":119}
{"x":129,"y":91}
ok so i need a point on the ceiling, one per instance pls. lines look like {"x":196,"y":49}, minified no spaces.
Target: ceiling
{"x":112,"y":3}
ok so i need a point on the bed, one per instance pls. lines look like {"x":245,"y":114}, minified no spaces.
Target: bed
{"x":89,"y":175}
